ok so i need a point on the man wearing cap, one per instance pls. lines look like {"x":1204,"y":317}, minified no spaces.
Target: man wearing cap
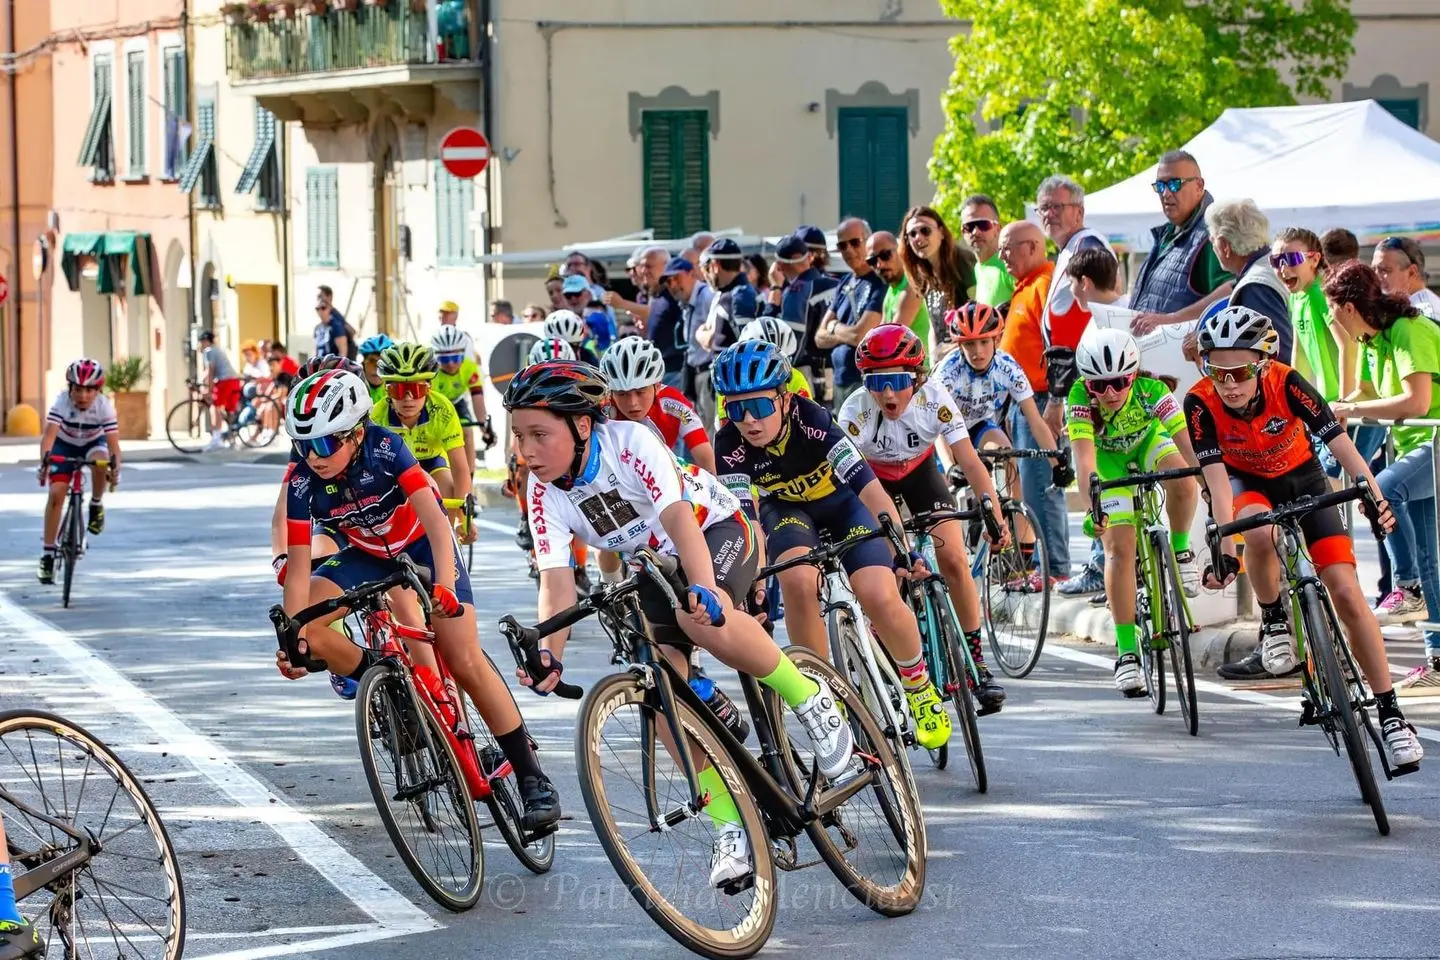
{"x":665,"y":324}
{"x":804,"y":300}
{"x":736,"y":303}
{"x":695,"y":297}
{"x":1400,"y":264}
{"x":330,"y":333}
{"x":223,"y":385}
{"x":857,"y":308}
{"x":815,"y":242}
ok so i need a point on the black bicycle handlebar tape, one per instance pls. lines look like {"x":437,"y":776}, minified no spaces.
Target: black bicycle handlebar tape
{"x":1159,"y":476}
{"x":417,"y":579}
{"x":287,"y":634}
{"x":1010,"y":453}
{"x":1302,"y":506}
{"x":897,"y":543}
{"x":987,"y":514}
{"x":1212,"y":540}
{"x":1095,"y":512}
{"x":524,"y":645}
{"x":668,"y":569}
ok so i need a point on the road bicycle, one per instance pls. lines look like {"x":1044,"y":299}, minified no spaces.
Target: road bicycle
{"x":1162,"y":614}
{"x":854,"y":649}
{"x":255,"y":423}
{"x":1014,"y":592}
{"x":641,"y":736}
{"x":1334,"y":695}
{"x":93,"y":864}
{"x":426,"y":763}
{"x":947,"y":655}
{"x":72,"y":541}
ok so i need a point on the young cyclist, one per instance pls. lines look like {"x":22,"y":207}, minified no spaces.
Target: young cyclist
{"x":615,"y":484}
{"x":551,"y":349}
{"x":776,"y":331}
{"x":896,"y":421}
{"x":810,"y":477}
{"x":359,"y":480}
{"x":1252,"y":420}
{"x":81,"y":425}
{"x":566,"y":325}
{"x":370,"y":350}
{"x":1118,"y":418}
{"x":458,"y":379}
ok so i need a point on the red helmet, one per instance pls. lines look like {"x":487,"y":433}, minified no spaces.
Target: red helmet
{"x":974,"y":321}
{"x":85,"y":373}
{"x":890,"y":345}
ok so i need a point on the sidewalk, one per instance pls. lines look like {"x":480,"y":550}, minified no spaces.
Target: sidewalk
{"x":1209,"y":646}
{"x":25,"y":451}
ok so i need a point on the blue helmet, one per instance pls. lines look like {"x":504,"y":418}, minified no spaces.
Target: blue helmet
{"x":750,"y":365}
{"x":376,"y":344}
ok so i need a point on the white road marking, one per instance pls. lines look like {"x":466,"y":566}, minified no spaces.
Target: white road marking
{"x":393,"y":913}
{"x":1287,"y":702}
{"x":492,"y":525}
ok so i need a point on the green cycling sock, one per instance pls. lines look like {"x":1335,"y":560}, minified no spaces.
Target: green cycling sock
{"x":792,"y":685}
{"x":1180,"y":540}
{"x":721,"y":807}
{"x":1125,"y":639}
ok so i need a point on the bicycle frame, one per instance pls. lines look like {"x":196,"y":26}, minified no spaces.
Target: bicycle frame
{"x":837,"y":595}
{"x":925,"y":546}
{"x":41,"y":872}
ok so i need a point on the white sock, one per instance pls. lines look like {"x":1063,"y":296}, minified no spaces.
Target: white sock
{"x":613,"y":576}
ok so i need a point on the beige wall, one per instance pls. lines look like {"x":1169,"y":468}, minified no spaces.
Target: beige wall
{"x":1395,"y":47}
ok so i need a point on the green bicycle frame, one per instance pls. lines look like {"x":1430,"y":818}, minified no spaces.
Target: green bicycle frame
{"x":930,"y":632}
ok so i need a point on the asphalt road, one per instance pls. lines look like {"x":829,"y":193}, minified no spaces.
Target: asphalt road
{"x":1106,"y":832}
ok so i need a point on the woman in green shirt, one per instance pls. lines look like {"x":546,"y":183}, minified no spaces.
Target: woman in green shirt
{"x":1398,"y":374}
{"x":1298,"y":262}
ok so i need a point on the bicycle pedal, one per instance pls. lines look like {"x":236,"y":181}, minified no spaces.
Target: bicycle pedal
{"x":985,"y":711}
{"x":1135,"y":694}
{"x":734,"y":887}
{"x":1406,"y":770}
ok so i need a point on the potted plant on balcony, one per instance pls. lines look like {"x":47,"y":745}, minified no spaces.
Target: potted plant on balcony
{"x":260,"y":11}
{"x":316,"y":8}
{"x":282,"y":9}
{"x":347,"y":6}
{"x":132,"y":407}
{"x":235,"y":13}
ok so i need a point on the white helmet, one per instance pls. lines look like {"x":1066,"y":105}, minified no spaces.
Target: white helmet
{"x":550,"y":349}
{"x":1104,"y":353}
{"x":450,"y":339}
{"x":632,"y":363}
{"x":773,"y":330}
{"x":564,"y":325}
{"x":326,"y":403}
{"x":1239,"y":328}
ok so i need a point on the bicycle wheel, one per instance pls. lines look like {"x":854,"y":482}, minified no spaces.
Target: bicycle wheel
{"x":1321,"y":642}
{"x":1017,"y":615}
{"x":883,"y":696}
{"x":127,"y":900}
{"x":630,"y":779}
{"x":187,"y":425}
{"x":69,"y":546}
{"x":1177,"y":621}
{"x":957,"y":683}
{"x":1152,"y":657}
{"x":506,"y":807}
{"x":261,"y":429}
{"x":424,"y":804}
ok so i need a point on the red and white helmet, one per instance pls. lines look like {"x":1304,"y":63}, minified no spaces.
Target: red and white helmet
{"x":85,"y":373}
{"x":326,"y":403}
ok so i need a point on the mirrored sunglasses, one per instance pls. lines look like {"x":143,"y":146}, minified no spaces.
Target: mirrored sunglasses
{"x":757,"y":407}
{"x":880,"y":382}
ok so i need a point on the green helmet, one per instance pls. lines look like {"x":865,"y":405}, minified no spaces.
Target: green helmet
{"x":407,"y":362}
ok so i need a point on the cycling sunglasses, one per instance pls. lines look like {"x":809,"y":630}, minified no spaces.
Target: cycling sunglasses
{"x":1171,"y":185}
{"x":1108,"y":385}
{"x":880,"y":382}
{"x":977,"y":226}
{"x":1241,"y":374}
{"x":443,"y":358}
{"x":757,"y":407}
{"x":408,"y":389}
{"x":1290,"y":258}
{"x":880,"y":256}
{"x":320,"y":446}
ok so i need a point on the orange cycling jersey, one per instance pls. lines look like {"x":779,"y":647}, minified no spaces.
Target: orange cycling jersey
{"x":1272,"y":437}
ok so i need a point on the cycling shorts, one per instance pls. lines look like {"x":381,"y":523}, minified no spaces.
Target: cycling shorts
{"x":466,"y":412}
{"x":923,"y":488}
{"x":97,"y":449}
{"x":1118,"y":503}
{"x":733,"y":545}
{"x":978,"y":431}
{"x":437,"y":462}
{"x":789,"y":525}
{"x":225,"y":394}
{"x":1324,"y":530}
{"x":352,"y":566}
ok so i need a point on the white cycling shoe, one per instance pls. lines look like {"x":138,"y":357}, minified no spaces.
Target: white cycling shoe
{"x":1128,"y":678}
{"x":829,"y":733}
{"x":1189,"y":573}
{"x":1402,"y":746}
{"x":730,"y":860}
{"x":1277,"y":648}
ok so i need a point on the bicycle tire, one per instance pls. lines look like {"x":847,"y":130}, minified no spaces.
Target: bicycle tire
{"x":1017,"y":658}
{"x":845,"y":642}
{"x":1181,"y":664}
{"x":958,"y":678}
{"x":1151,"y":666}
{"x":1320,"y":642}
{"x":256,"y":435}
{"x":56,"y":920}
{"x":69,"y":547}
{"x":506,"y":807}
{"x":748,"y":935}
{"x":381,"y":714}
{"x":190,"y":432}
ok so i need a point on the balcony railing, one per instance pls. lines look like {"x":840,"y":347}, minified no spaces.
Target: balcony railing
{"x":368,"y":36}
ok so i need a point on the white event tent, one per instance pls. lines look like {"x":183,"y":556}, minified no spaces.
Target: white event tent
{"x":1326,"y":165}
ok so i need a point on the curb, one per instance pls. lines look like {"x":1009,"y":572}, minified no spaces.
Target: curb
{"x":1210,"y":645}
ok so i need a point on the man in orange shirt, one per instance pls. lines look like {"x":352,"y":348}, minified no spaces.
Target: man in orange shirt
{"x":1022,"y":248}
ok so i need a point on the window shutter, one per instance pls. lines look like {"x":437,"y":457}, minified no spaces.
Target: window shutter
{"x":454,"y":199}
{"x":322,"y":217}
{"x":135,"y":97}
{"x":853,"y":139}
{"x":658,"y":173}
{"x":676,"y":145}
{"x":693,"y":134}
{"x":890,"y":169}
{"x":1406,"y":111}
{"x":312,"y":217}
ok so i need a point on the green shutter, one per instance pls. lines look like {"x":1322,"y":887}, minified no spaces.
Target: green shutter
{"x":1406,"y":111}
{"x":202,"y":161}
{"x":96,"y":130}
{"x":676,"y":171}
{"x":177,"y":111}
{"x":322,"y":217}
{"x":454,"y":200}
{"x":263,"y":149}
{"x":874,"y":153}
{"x":135,"y":114}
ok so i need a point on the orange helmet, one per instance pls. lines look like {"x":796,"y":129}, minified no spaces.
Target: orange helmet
{"x":890,"y":345}
{"x":974,"y":321}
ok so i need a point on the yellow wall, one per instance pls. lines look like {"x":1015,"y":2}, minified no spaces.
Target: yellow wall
{"x":258,"y":317}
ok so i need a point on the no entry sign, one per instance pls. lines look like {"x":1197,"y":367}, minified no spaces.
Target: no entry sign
{"x":465,"y":152}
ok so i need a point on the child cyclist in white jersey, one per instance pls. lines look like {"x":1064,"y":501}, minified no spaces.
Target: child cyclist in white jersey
{"x":614,"y":484}
{"x":81,"y":425}
{"x":896,"y":421}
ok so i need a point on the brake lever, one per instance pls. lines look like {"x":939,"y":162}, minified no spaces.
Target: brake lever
{"x":287,"y":634}
{"x":1372,"y":516}
{"x":524,"y":643}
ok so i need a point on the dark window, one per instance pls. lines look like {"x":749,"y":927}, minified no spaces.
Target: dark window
{"x":677,"y":171}
{"x":874,"y":164}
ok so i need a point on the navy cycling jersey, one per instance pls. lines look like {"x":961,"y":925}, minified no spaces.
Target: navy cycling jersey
{"x":810,"y":460}
{"x":369,"y":504}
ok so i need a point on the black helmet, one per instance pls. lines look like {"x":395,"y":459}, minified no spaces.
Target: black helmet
{"x":330,"y":362}
{"x":566,"y":387}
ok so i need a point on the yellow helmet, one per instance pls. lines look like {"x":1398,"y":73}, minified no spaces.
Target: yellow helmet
{"x":407,"y":362}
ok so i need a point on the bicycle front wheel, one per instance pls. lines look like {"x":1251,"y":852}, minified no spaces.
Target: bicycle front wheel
{"x":1321,"y":643}
{"x":259,"y":426}
{"x":1177,"y":622}
{"x":71,"y":534}
{"x":1016,"y":605}
{"x":536,"y":854}
{"x":632,"y":781}
{"x":958,"y":675}
{"x":418,"y":789}
{"x":187,"y":425}
{"x":882,"y":695}
{"x":127,"y":899}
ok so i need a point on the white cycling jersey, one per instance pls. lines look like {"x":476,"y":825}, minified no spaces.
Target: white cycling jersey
{"x":982,"y":396}
{"x":893,"y":448}
{"x":83,"y":427}
{"x":616,"y":503}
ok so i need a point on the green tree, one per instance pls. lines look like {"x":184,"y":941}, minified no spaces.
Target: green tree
{"x":1098,"y":89}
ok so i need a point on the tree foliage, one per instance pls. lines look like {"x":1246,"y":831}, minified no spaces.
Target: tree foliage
{"x":1098,"y":89}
